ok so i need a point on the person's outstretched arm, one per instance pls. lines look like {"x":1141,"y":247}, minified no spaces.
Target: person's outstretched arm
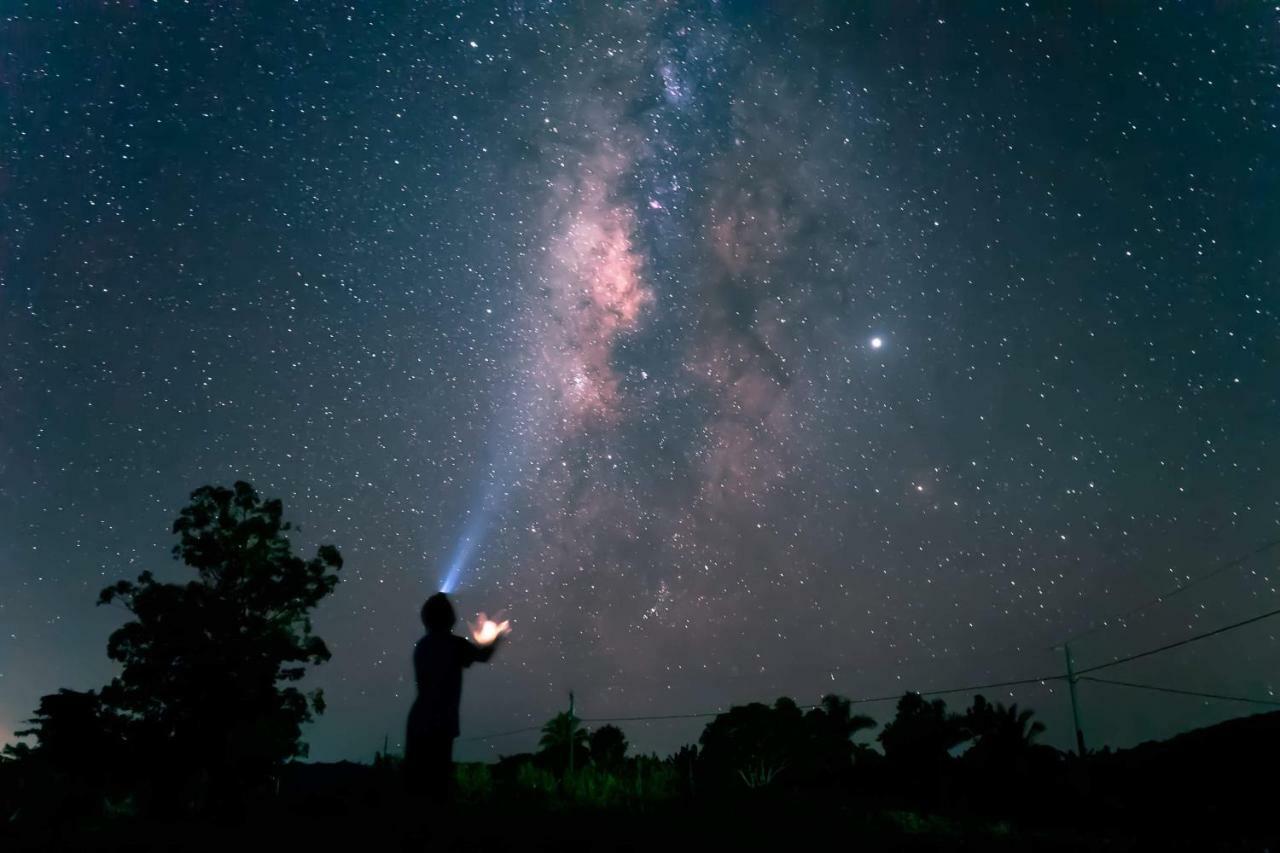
{"x":475,"y":653}
{"x":483,"y":653}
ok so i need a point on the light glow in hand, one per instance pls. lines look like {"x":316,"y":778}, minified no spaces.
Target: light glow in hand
{"x":486,"y":632}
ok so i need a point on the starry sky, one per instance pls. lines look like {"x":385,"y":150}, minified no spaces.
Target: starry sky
{"x":733,"y":349}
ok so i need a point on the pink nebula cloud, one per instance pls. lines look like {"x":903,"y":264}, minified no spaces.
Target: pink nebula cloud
{"x":595,"y":294}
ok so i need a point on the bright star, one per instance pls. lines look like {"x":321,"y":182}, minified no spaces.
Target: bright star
{"x":876,"y":343}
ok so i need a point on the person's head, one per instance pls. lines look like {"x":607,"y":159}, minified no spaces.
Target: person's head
{"x":437,"y":613}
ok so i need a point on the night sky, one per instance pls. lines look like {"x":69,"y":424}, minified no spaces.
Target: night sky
{"x":733,"y":349}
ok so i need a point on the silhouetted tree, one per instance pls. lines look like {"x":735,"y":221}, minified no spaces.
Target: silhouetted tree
{"x":830,"y":749}
{"x":12,"y":778}
{"x":749,"y":744}
{"x":840,"y":719}
{"x":78,"y":751}
{"x":1004,"y":756}
{"x":685,"y":761}
{"x":922,"y":734}
{"x":204,"y":662}
{"x":73,"y":730}
{"x":553,"y":746}
{"x":757,"y":745}
{"x":1001,"y":734}
{"x":608,"y":747}
{"x":917,"y":746}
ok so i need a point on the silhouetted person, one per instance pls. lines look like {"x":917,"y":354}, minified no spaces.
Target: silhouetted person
{"x":438,"y":661}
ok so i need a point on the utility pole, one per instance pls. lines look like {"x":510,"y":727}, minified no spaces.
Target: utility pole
{"x":573,"y":727}
{"x":1075,"y":705}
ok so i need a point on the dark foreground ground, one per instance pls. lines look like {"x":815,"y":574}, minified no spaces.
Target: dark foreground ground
{"x":772,"y":823}
{"x":1210,"y":789}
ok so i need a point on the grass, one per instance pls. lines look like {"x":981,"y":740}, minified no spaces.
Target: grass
{"x":646,"y":808}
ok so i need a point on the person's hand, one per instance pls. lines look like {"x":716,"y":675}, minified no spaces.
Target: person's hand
{"x":486,"y":632}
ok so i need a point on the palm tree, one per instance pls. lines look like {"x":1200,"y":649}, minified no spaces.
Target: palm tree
{"x":922,"y":734}
{"x":1001,"y":732}
{"x":559,"y":732}
{"x":840,"y":716}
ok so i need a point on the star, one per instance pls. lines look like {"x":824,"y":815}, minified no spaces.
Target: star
{"x":595,"y":326}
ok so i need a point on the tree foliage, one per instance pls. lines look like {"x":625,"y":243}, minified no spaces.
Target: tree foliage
{"x":73,"y":730}
{"x":557,"y":734}
{"x":922,"y":734}
{"x":1001,"y":733}
{"x":75,"y":762}
{"x":758,"y":745}
{"x":608,"y":746}
{"x":1004,"y":755}
{"x":207,"y":665}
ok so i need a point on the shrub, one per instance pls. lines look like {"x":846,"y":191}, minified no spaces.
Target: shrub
{"x":535,"y":780}
{"x":474,"y":781}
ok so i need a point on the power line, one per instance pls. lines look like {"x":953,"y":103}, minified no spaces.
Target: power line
{"x":1181,"y":692}
{"x":860,"y":701}
{"x":972,"y":688}
{"x":1182,"y":642}
{"x":503,"y":734}
{"x":1163,"y":597}
{"x":656,"y":717}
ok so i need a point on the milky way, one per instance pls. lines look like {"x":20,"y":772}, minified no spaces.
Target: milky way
{"x":731,"y":349}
